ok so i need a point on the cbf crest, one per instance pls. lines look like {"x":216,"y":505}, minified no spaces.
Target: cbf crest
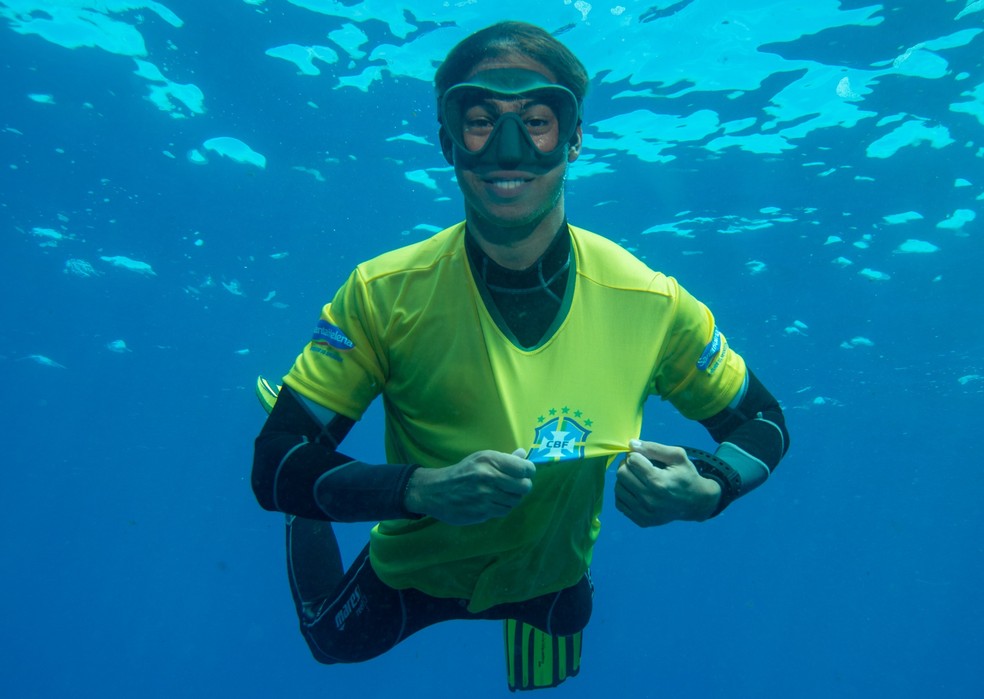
{"x":561,"y":437}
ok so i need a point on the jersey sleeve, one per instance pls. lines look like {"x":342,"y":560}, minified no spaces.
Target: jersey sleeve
{"x":696,"y":371}
{"x":341,"y":367}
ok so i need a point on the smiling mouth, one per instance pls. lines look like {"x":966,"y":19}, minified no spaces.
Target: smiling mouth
{"x":507,"y":184}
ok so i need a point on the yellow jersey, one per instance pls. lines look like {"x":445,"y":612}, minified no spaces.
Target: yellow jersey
{"x":413,"y":325}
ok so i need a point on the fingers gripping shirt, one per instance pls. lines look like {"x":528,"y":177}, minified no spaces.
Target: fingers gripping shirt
{"x":412,"y":326}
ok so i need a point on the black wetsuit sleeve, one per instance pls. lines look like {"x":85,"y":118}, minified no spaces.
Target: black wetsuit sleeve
{"x":298,"y":469}
{"x":753,"y":439}
{"x":756,"y":425}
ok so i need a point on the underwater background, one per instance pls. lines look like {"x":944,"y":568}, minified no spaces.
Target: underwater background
{"x":184,"y":184}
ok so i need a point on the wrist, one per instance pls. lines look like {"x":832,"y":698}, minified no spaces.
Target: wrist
{"x":709,"y":499}
{"x":727,"y":479}
{"x":415,"y":495}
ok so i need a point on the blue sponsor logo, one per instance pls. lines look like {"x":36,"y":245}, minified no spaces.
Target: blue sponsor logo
{"x":330,"y":335}
{"x":710,"y":351}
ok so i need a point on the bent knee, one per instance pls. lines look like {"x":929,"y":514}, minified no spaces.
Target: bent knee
{"x":572,"y":609}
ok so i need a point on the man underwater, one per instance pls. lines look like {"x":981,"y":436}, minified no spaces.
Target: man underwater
{"x":514,"y":354}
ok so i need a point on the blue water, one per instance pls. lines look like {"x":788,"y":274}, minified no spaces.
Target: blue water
{"x":135,"y":561}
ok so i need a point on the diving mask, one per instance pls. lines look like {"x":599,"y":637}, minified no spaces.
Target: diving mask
{"x":537,"y":135}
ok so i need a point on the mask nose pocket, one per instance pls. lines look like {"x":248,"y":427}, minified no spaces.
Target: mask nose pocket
{"x":510,"y":149}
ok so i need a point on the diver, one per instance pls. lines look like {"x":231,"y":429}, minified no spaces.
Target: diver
{"x":514,"y":353}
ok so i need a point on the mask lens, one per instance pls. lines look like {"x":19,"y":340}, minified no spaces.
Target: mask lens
{"x":477,"y":115}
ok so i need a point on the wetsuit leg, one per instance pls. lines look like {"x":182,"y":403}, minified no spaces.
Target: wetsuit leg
{"x":314,"y":564}
{"x":559,"y":614}
{"x":359,"y":617}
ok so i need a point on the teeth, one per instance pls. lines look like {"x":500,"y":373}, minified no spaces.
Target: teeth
{"x":507,"y":184}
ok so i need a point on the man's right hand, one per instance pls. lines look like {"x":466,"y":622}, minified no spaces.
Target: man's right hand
{"x":484,"y":485}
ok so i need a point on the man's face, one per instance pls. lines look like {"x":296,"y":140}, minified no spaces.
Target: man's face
{"x":506,"y":191}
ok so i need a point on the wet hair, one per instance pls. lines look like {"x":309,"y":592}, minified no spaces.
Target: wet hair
{"x":507,"y":38}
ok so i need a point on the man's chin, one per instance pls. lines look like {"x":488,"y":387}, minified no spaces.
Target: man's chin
{"x":502,"y":229}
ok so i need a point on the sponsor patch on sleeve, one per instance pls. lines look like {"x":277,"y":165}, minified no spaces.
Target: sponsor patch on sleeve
{"x":711,"y":350}
{"x":328,"y":338}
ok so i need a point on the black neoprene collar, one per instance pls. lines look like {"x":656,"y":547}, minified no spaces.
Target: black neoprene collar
{"x":528,"y":299}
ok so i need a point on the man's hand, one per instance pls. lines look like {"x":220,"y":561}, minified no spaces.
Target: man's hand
{"x":484,"y":485}
{"x":657,"y":484}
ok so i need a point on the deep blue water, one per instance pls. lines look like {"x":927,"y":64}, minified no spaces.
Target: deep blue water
{"x":135,"y":561}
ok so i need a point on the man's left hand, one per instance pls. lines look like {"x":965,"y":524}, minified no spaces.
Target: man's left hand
{"x":657,"y":484}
